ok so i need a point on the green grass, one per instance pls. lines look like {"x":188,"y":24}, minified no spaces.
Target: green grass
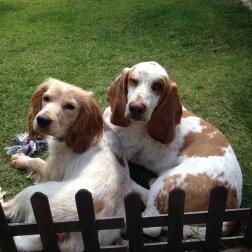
{"x":205,"y":45}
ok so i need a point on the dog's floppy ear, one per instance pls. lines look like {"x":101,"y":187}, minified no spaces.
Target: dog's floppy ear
{"x":87,"y":129}
{"x":117,"y":99}
{"x":35,"y":107}
{"x":166,"y":115}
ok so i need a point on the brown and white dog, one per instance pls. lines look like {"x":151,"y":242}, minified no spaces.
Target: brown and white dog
{"x":184,"y":150}
{"x":81,"y":155}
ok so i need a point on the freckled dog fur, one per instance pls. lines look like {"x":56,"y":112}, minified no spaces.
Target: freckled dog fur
{"x":182,"y":149}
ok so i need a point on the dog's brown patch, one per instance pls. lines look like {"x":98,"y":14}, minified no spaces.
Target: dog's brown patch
{"x":197,"y":190}
{"x":62,"y":237}
{"x":209,"y":142}
{"x":98,"y":206}
{"x":186,"y":114}
{"x":161,"y":200}
{"x":139,"y":99}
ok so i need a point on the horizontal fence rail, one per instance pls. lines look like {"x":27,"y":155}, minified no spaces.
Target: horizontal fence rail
{"x":175,"y":219}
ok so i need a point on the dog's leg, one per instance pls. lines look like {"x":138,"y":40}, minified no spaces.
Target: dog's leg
{"x":152,"y":231}
{"x":141,"y":191}
{"x":151,"y":210}
{"x":36,"y":166}
{"x":28,"y":243}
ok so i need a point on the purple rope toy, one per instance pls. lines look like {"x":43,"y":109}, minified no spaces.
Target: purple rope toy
{"x":26,"y":146}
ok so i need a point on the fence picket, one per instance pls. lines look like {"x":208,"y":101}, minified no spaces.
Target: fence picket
{"x":7,"y":243}
{"x":216,"y":210}
{"x":248,"y":235}
{"x":134,"y":222}
{"x":85,"y":207}
{"x":176,"y":219}
{"x":44,"y":221}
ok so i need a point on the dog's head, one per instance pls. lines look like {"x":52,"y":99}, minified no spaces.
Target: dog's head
{"x":65,"y":112}
{"x":144,"y":92}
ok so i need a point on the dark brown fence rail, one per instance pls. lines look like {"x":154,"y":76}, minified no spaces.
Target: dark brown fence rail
{"x":175,"y":220}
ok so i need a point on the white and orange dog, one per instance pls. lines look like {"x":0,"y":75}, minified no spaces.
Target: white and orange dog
{"x":182,"y":149}
{"x":81,"y":155}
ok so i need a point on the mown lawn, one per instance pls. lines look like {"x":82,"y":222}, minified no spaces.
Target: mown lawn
{"x":205,"y":45}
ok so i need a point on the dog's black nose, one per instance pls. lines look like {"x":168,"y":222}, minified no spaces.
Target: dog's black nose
{"x":43,"y":122}
{"x":137,"y":108}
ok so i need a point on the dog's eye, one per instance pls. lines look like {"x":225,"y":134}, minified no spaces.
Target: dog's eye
{"x":69,"y":106}
{"x":46,"y":98}
{"x":156,"y":86}
{"x":134,"y":82}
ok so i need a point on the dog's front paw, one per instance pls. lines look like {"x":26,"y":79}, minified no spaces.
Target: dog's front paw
{"x":19,"y":161}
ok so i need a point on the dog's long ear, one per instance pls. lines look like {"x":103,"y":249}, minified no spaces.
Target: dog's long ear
{"x":117,"y":99}
{"x":166,"y":115}
{"x":87,"y":129}
{"x":35,"y":107}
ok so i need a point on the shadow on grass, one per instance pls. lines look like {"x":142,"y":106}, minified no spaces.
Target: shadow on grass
{"x":6,"y":8}
{"x":167,"y":26}
{"x":215,"y":21}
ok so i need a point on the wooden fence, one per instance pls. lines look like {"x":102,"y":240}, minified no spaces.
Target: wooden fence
{"x":175,"y":219}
